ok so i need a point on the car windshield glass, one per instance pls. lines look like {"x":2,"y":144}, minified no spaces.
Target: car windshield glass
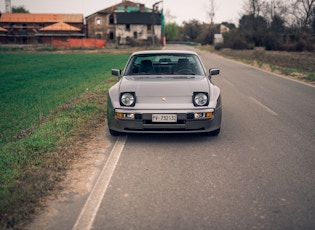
{"x":164,"y":64}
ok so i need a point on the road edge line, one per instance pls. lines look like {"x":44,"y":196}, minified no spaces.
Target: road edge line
{"x":91,"y":206}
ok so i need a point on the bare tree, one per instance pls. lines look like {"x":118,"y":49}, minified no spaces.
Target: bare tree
{"x":169,"y":17}
{"x":253,"y":7}
{"x":302,"y":10}
{"x":274,"y":8}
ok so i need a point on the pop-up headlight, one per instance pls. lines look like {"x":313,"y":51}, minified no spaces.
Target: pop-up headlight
{"x":200,"y":99}
{"x":128,"y":99}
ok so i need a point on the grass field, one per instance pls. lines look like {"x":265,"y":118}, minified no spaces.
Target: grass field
{"x":297,"y":65}
{"x":32,"y":85}
{"x":46,"y":99}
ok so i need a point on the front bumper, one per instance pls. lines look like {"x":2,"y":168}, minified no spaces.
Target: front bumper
{"x":186,"y":122}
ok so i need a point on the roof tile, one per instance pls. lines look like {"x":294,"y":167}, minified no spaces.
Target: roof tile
{"x":60,"y":26}
{"x":41,"y":18}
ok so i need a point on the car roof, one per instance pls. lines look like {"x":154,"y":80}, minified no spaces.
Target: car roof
{"x":164,"y":52}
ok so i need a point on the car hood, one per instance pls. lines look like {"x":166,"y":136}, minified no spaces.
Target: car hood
{"x":164,"y":92}
{"x":157,"y":86}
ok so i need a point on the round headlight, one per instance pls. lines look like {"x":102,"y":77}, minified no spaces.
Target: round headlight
{"x":200,"y":99}
{"x":127,"y":99}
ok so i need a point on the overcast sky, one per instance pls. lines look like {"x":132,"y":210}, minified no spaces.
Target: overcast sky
{"x":182,"y":10}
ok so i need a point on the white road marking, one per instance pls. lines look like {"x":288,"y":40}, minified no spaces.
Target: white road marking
{"x":264,"y":106}
{"x":89,"y":211}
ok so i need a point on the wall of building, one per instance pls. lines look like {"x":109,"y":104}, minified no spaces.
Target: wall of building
{"x":98,"y":26}
{"x":137,"y":32}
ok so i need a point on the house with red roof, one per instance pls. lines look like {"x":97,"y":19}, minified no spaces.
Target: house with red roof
{"x":26,"y":28}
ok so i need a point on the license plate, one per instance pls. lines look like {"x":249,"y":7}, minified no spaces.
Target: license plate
{"x":164,"y":117}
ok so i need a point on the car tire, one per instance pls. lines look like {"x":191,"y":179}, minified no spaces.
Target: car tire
{"x":114,"y":133}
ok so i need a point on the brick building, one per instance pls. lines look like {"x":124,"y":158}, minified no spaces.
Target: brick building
{"x":125,"y":23}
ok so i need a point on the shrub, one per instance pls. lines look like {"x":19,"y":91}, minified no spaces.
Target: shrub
{"x":272,"y":43}
{"x":300,"y":46}
{"x":219,"y":46}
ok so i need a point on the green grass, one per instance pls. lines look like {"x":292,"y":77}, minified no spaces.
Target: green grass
{"x":32,"y":85}
{"x":47,"y":100}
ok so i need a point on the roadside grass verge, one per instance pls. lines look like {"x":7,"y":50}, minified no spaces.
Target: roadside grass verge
{"x":48,"y":103}
{"x":298,"y":65}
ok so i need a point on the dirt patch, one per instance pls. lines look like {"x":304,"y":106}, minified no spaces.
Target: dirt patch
{"x":91,"y":154}
{"x":266,"y":67}
{"x":78,"y":179}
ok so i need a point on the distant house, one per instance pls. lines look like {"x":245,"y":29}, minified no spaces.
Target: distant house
{"x":218,"y":32}
{"x":218,"y":39}
{"x":126,"y":23}
{"x":25,"y":28}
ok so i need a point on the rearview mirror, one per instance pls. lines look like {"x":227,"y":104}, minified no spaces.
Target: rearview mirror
{"x":116,"y":72}
{"x":213,"y":72}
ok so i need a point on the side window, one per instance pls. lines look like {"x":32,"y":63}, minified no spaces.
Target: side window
{"x":149,"y":28}
{"x":127,"y":27}
{"x":111,"y":19}
{"x":111,"y":35}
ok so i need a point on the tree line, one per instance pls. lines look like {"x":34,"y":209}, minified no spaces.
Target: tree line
{"x":274,"y":24}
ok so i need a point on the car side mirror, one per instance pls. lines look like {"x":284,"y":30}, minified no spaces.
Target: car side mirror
{"x":213,"y":72}
{"x":116,"y":72}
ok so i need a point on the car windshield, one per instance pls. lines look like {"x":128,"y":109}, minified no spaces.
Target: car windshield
{"x":164,"y":64}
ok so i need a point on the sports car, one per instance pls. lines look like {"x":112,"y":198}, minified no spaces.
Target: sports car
{"x":164,"y":91}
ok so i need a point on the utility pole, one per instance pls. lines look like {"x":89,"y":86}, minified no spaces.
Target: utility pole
{"x":8,"y":6}
{"x":211,"y":13}
{"x":153,"y":22}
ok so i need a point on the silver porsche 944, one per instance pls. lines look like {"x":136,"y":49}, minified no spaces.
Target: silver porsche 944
{"x":166,"y":91}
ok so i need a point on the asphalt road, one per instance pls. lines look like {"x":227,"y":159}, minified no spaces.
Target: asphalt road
{"x":257,"y":174}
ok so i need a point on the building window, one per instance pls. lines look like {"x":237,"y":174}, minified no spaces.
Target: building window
{"x":149,"y":28}
{"x":127,"y":27}
{"x":98,"y":21}
{"x":111,"y":35}
{"x":111,"y":19}
{"x":98,"y":35}
{"x":135,"y":35}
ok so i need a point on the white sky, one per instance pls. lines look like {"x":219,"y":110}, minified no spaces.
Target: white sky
{"x":183,"y":10}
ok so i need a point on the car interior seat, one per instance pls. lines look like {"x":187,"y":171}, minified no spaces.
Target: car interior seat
{"x":146,"y":66}
{"x":182,"y":64}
